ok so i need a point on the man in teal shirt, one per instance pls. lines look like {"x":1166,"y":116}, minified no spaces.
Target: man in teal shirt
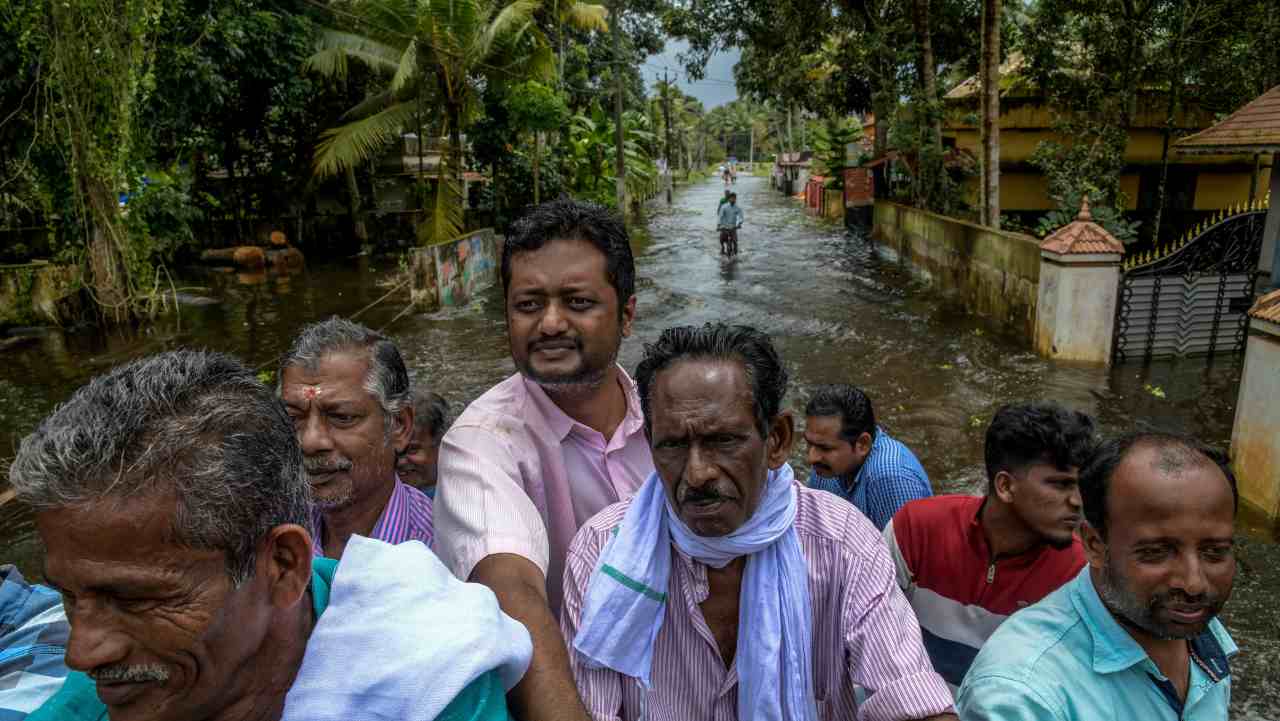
{"x":171,"y":497}
{"x":1135,"y":635}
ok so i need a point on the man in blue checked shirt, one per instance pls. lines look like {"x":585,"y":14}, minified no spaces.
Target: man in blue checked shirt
{"x":855,"y":459}
{"x":33,"y":641}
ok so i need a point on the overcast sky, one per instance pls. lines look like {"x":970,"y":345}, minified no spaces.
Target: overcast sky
{"x":717,"y":88}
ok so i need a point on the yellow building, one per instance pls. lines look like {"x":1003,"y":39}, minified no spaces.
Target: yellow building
{"x":1195,"y":183}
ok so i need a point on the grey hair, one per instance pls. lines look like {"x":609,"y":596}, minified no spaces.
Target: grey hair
{"x":387,"y":381}
{"x":431,"y":414}
{"x":193,"y":423}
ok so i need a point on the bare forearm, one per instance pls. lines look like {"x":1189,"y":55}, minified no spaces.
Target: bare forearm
{"x":547,"y":692}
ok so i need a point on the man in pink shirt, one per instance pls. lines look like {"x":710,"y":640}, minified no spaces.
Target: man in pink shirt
{"x":724,"y":589}
{"x":532,"y":459}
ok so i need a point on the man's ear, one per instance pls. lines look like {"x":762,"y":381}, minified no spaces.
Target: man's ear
{"x":402,"y":428}
{"x":628,"y":315}
{"x":1003,"y":485}
{"x":1095,"y":547}
{"x":862,"y":446}
{"x":782,"y":436}
{"x":284,"y":561}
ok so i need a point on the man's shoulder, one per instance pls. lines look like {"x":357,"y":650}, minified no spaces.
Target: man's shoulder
{"x":891,"y":457}
{"x":938,"y":513}
{"x":591,"y":537}
{"x":503,"y":413}
{"x":826,"y":518}
{"x":1045,"y":645}
{"x":506,"y":399}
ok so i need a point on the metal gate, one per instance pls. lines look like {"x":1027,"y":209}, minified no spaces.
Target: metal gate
{"x":1191,"y":297}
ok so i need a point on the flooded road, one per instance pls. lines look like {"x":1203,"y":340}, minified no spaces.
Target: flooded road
{"x":839,"y":308}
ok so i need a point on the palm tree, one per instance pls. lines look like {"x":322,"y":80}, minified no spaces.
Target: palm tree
{"x":435,"y":53}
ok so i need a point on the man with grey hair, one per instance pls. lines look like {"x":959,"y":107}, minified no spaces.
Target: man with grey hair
{"x":347,"y":391}
{"x":171,"y":498}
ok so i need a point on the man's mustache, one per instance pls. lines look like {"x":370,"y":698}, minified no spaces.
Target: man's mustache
{"x":555,"y":344}
{"x":698,"y":495}
{"x":130,"y":674}
{"x":329,"y":464}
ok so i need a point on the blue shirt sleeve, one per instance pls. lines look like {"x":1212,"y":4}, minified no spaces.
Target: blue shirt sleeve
{"x":996,"y":698}
{"x":889,"y":491}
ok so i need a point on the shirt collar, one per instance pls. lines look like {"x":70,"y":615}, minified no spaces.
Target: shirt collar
{"x":561,"y":424}
{"x":392,"y":522}
{"x":1115,"y":650}
{"x":396,"y":509}
{"x":851,"y":484}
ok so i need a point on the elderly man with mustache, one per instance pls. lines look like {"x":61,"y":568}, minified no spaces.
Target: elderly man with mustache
{"x":724,"y":589}
{"x":348,"y":393}
{"x":171,"y":498}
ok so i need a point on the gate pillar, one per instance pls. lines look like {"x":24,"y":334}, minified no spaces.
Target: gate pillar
{"x":1079,"y":289}
{"x":1255,"y":435}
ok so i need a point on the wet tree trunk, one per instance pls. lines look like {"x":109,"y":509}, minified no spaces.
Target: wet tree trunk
{"x":620,"y":160}
{"x":107,"y":273}
{"x":354,"y":205}
{"x":990,"y":95}
{"x":537,"y":166}
{"x":929,"y":171}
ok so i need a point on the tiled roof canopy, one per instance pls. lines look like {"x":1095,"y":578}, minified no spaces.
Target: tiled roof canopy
{"x":1082,"y":236}
{"x":1254,"y":128}
{"x":1267,"y":307}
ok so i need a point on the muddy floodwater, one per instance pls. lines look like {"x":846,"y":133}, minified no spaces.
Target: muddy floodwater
{"x":838,"y":307}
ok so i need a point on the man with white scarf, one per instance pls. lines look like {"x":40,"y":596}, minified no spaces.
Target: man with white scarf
{"x":724,"y":589}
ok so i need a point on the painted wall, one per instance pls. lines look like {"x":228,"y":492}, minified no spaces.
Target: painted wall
{"x":995,"y":274}
{"x":1255,"y":436}
{"x":450,"y":274}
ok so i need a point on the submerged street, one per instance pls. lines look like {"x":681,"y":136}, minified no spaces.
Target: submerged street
{"x":839,"y":308}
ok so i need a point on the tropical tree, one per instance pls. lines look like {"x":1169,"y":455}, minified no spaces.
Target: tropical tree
{"x":436,"y":54}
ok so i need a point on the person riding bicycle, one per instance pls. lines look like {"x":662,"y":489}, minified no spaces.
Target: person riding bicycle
{"x":729,"y":219}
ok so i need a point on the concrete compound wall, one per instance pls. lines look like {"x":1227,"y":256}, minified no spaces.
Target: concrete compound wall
{"x":1255,"y":435}
{"x":450,"y":274}
{"x":995,"y":274}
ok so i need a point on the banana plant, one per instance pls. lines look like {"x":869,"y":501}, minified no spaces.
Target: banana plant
{"x":434,"y":54}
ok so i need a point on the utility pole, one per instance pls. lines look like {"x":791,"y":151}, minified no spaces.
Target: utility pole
{"x":751,"y":153}
{"x":666,"y":122}
{"x":620,"y":164}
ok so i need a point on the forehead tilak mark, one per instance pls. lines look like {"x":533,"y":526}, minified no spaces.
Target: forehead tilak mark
{"x":311,"y":392}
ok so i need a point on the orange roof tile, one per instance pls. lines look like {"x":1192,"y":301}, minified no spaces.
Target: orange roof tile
{"x":1254,"y":128}
{"x":1267,"y":307}
{"x":1082,"y":236}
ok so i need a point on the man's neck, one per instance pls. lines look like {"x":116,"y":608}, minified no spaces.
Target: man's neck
{"x":272,"y":670}
{"x":358,"y":518}
{"x":1171,"y":655}
{"x":600,"y":408}
{"x":1006,"y":534}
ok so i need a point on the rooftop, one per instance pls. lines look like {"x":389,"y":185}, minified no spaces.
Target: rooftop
{"x":1082,"y":237}
{"x":1253,"y":128}
{"x":1267,"y":307}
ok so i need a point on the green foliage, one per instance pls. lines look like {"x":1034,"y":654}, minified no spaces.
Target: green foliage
{"x":1126,"y":231}
{"x":830,"y":148}
{"x":534,"y":106}
{"x":160,"y":214}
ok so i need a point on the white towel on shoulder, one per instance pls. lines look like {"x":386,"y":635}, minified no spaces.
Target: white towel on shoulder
{"x":401,"y":638}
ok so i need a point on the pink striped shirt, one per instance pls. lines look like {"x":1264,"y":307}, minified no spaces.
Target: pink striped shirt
{"x":864,"y":632}
{"x":407,"y":517}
